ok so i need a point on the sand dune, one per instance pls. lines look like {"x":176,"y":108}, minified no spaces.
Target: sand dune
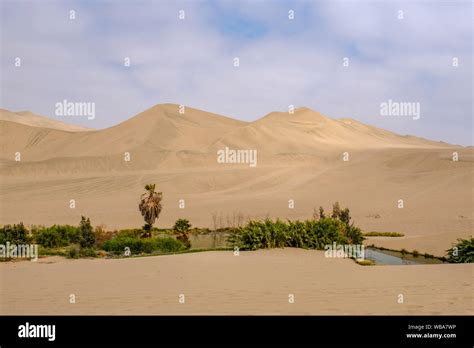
{"x":158,"y":131}
{"x":307,"y":131}
{"x":300,"y":157}
{"x":163,"y":130}
{"x":30,"y":119}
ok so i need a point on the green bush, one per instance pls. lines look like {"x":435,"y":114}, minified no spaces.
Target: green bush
{"x":56,"y":236}
{"x":181,"y":228}
{"x":59,"y":251}
{"x":118,"y":245}
{"x":182,"y":225}
{"x":257,"y":235}
{"x":142,"y":245}
{"x":309,"y":234}
{"x":354,"y":234}
{"x":462,"y":252}
{"x":73,"y":252}
{"x":63,"y":235}
{"x":88,"y":252}
{"x":169,"y":245}
{"x":86,"y":233}
{"x":133,"y":232}
{"x":15,"y":234}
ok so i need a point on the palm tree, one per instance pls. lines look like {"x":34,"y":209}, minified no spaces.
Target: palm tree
{"x":150,"y":207}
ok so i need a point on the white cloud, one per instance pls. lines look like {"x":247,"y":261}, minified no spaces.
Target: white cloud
{"x":298,"y":63}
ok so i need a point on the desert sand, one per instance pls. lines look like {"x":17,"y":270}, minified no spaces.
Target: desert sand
{"x":218,"y":282}
{"x":30,"y":119}
{"x":300,"y":158}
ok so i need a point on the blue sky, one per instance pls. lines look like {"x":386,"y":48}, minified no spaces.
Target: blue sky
{"x":282,"y":61}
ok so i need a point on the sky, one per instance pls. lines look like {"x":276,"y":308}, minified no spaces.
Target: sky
{"x":397,"y":50}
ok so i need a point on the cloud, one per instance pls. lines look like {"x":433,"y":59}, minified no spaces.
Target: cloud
{"x":282,"y":61}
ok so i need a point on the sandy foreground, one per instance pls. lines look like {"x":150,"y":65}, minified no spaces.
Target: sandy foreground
{"x":218,"y":282}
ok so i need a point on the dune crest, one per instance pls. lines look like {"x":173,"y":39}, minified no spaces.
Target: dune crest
{"x":30,"y":119}
{"x":164,"y":136}
{"x":163,"y":128}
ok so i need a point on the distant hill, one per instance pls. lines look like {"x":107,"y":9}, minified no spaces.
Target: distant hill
{"x":30,"y":119}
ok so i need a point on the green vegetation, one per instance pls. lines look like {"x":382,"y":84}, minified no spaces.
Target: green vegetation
{"x":73,"y":252}
{"x":84,"y":241}
{"x":322,"y":215}
{"x":120,"y":245}
{"x":462,"y":252}
{"x":310,"y":234}
{"x":182,"y":225}
{"x":383,"y":234}
{"x":150,"y":207}
{"x":324,"y":229}
{"x":59,"y":251}
{"x":133,"y":232}
{"x":15,"y":234}
{"x":56,"y":235}
{"x":86,"y":233}
{"x":88,"y":252}
{"x":181,"y":228}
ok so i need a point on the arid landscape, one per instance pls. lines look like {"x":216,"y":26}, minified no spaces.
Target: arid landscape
{"x":306,"y":157}
{"x":182,"y":172}
{"x":300,"y":158}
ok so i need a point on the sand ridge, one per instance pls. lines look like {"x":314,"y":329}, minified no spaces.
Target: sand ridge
{"x":30,"y":119}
